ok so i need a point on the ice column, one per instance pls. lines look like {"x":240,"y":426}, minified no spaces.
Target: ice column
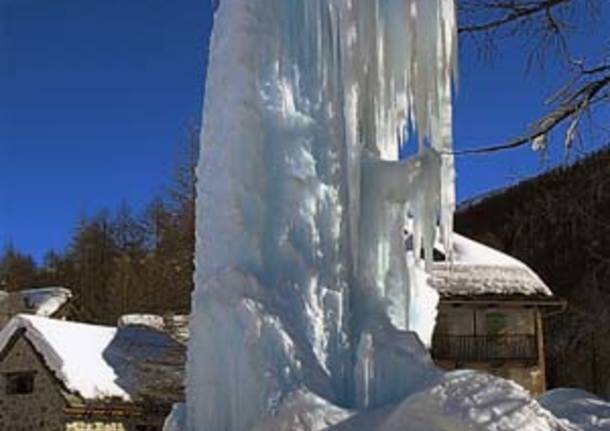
{"x":300,"y":96}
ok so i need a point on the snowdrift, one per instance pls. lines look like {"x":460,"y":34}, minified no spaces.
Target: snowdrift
{"x":468,"y":400}
{"x":462,"y":400}
{"x":583,"y":409}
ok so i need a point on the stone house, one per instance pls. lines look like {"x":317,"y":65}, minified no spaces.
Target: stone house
{"x":65,"y":376}
{"x":43,"y":301}
{"x":491,"y":314}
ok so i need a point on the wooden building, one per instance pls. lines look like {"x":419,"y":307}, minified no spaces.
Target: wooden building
{"x":65,"y":376}
{"x":491,"y":314}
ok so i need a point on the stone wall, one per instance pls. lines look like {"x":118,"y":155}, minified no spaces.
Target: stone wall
{"x":41,"y":410}
{"x":46,"y":407}
{"x":135,"y":423}
{"x":95,"y":425}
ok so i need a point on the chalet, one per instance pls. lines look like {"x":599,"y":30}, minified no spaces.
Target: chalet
{"x":491,"y":313}
{"x":60,"y":375}
{"x":44,"y":301}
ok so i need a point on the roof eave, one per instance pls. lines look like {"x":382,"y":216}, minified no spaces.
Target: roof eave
{"x":510,"y":300}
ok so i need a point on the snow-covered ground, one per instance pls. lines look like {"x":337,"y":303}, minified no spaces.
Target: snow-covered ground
{"x":467,"y":400}
{"x":462,"y":400}
{"x":583,"y":409}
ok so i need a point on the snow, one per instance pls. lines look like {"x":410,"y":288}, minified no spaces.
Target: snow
{"x":44,"y":301}
{"x":73,"y":351}
{"x":470,"y":400}
{"x":581,"y":408}
{"x":487,"y":280}
{"x":147,"y":320}
{"x":470,"y":252}
{"x":176,"y":325}
{"x":463,"y":400}
{"x":101,"y":363}
{"x":479,"y":270}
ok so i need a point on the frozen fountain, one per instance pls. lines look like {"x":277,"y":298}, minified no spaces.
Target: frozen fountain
{"x":305,"y":301}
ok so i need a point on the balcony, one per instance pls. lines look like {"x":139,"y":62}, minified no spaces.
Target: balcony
{"x":484,"y":348}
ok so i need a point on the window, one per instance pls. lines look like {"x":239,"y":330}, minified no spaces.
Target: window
{"x":19,"y":383}
{"x":495,"y":323}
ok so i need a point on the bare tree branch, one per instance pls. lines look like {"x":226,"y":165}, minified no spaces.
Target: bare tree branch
{"x":543,"y":25}
{"x":514,"y":12}
{"x":572,"y":104}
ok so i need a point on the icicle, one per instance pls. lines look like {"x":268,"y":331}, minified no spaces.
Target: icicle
{"x":300,"y":94}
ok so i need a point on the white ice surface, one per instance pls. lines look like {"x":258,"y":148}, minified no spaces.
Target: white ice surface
{"x":299,"y":96}
{"x":304,"y":411}
{"x":391,"y":365}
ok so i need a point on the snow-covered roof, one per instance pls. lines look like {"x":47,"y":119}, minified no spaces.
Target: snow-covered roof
{"x":93,"y":361}
{"x":44,"y":301}
{"x":176,"y":325}
{"x":73,"y":351}
{"x":145,"y":320}
{"x":479,"y":270}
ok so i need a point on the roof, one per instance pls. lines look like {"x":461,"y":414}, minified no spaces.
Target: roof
{"x":73,"y":351}
{"x":44,"y":301}
{"x":176,"y":325}
{"x":481,"y":271}
{"x":100,"y":363}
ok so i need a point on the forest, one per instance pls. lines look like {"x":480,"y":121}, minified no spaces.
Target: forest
{"x":557,"y":223}
{"x":119,"y":261}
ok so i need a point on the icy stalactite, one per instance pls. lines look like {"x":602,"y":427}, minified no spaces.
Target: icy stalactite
{"x":391,"y":365}
{"x":306,"y":105}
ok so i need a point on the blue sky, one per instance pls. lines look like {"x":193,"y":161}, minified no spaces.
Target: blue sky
{"x":95,"y":95}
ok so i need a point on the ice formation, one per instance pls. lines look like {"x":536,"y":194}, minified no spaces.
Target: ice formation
{"x":302,"y":285}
